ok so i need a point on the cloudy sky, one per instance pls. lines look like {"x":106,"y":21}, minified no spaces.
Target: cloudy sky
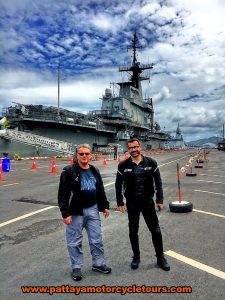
{"x":184,"y":39}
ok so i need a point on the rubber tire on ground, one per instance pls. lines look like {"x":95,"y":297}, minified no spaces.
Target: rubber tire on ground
{"x":182,"y":207}
{"x":191,"y":174}
{"x":198,"y":167}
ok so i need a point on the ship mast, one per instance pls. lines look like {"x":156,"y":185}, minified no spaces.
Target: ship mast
{"x":134,"y":47}
{"x":136,"y":68}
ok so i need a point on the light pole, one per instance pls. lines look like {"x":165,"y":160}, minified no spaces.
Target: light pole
{"x":223,"y":132}
{"x":58,"y":86}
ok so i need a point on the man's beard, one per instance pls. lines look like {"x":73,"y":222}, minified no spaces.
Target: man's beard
{"x":135,"y":152}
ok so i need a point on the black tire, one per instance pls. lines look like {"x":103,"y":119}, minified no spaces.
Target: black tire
{"x":191,"y":174}
{"x":182,"y":207}
{"x":198,"y":167}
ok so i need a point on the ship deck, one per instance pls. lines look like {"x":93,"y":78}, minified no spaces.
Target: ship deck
{"x":53,"y":121}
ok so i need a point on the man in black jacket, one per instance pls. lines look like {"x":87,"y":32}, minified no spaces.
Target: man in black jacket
{"x":138,"y":175}
{"x":81,"y":196}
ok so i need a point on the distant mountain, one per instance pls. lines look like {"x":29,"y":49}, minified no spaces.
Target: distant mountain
{"x":213,"y":140}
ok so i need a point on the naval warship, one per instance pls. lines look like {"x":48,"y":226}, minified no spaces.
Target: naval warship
{"x":121,"y":117}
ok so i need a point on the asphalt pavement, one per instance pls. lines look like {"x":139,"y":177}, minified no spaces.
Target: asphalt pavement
{"x":33,"y":248}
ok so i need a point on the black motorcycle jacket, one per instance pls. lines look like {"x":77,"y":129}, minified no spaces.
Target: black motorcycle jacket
{"x":69,"y":193}
{"x":125,"y":181}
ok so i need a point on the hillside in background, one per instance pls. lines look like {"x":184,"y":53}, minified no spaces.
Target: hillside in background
{"x":213,"y":139}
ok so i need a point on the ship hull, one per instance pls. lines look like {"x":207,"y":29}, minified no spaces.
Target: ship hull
{"x":69,"y":134}
{"x":63,"y":132}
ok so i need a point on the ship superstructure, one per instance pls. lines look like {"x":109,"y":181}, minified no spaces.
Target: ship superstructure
{"x":129,"y":112}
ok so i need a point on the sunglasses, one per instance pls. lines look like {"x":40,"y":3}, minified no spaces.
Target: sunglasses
{"x":133,"y":148}
{"x":82,"y":154}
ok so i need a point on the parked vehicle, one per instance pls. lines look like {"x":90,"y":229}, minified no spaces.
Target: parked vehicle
{"x":221,"y":146}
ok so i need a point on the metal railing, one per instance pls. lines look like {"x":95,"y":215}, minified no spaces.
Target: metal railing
{"x":38,"y":141}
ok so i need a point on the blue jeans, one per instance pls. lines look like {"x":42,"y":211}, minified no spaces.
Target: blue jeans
{"x":92,"y":223}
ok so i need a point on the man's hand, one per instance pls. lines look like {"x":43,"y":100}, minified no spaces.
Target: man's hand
{"x":121,"y":208}
{"x":67,"y":220}
{"x":106,"y":213}
{"x":159,"y":206}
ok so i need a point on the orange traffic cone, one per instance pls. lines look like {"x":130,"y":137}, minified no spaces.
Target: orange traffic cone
{"x":204,"y":154}
{"x":53,"y":170}
{"x":34,"y":165}
{"x":1,"y":177}
{"x":104,"y":161}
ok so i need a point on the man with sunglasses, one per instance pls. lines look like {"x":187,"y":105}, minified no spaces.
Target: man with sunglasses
{"x":136,"y":177}
{"x":81,"y":197}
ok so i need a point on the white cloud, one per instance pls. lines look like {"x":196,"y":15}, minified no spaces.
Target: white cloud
{"x":161,"y":96}
{"x":85,"y":91}
{"x":149,"y":8}
{"x":102,"y":21}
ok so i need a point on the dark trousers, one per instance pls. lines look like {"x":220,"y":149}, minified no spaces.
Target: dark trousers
{"x":151,"y":220}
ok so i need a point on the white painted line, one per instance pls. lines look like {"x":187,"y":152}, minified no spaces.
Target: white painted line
{"x":208,"y":213}
{"x":26,"y":216}
{"x":34,"y":212}
{"x":196,"y":264}
{"x":215,"y":162}
{"x":207,"y":181}
{"x":172,"y":161}
{"x":159,"y":166}
{"x":10,"y":184}
{"x":214,"y":168}
{"x":209,"y":192}
{"x":209,"y":170}
{"x":215,"y":165}
{"x":109,"y":184}
{"x":211,"y":175}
